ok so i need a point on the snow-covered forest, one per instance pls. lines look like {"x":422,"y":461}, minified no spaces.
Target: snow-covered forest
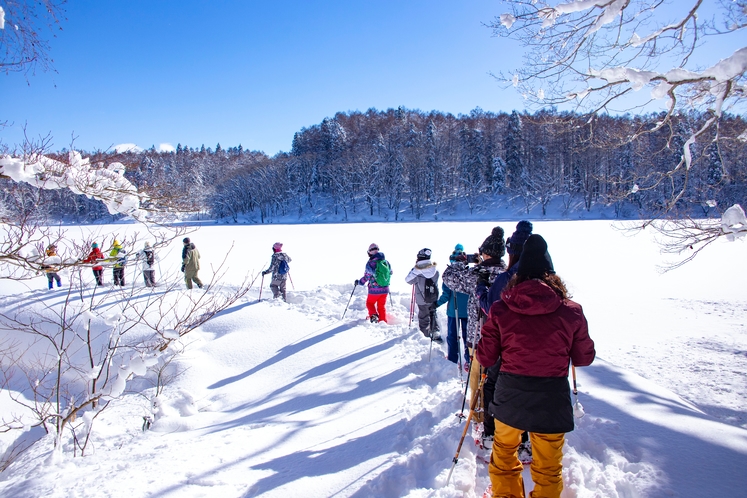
{"x":410,"y":165}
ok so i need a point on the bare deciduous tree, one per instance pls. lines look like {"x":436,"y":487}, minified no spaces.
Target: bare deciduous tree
{"x":25,"y":27}
{"x":592,"y":56}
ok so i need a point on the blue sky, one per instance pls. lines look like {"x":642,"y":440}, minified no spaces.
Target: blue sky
{"x":255,"y":72}
{"x":251,"y":72}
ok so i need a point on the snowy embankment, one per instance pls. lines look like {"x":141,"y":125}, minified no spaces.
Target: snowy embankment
{"x":275,"y":399}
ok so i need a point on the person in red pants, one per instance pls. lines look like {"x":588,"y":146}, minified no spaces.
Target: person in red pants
{"x":378,"y":274}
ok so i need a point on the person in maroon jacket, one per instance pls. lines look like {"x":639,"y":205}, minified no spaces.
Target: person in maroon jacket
{"x":536,"y":331}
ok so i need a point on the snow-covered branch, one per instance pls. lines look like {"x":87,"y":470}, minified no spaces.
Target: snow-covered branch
{"x":107,"y":184}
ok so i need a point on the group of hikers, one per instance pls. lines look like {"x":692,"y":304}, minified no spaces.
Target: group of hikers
{"x":117,"y":259}
{"x":519,"y":327}
{"x":521,"y":333}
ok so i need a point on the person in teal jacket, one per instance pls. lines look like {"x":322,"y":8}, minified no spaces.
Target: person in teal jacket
{"x":449,"y":298}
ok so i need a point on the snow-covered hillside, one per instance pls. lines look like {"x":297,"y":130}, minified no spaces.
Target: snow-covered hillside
{"x":274,"y":399}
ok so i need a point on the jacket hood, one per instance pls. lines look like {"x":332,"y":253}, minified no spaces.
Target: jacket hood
{"x":425,"y":267}
{"x":532,"y":297}
{"x":377,"y":256}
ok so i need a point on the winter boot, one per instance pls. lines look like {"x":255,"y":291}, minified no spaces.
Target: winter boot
{"x":436,"y":337}
{"x":50,"y":285}
{"x":374,"y":318}
{"x":525,"y":453}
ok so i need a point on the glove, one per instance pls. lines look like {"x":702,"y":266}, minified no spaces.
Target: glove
{"x":182,"y":268}
{"x":356,"y":283}
{"x":483,"y":277}
{"x":461,"y":257}
{"x":265,"y":272}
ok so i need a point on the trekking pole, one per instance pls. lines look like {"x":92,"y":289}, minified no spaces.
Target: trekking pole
{"x":469,"y":374}
{"x":473,"y":403}
{"x":431,"y":348}
{"x":578,"y":409}
{"x":262,"y":284}
{"x":412,"y":305}
{"x":458,"y":343}
{"x":291,"y":279}
{"x":460,"y":415}
{"x":351,"y":298}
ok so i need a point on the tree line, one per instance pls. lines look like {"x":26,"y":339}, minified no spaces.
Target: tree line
{"x":407,"y":164}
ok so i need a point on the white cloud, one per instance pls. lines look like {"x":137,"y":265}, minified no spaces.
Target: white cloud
{"x":166,"y":148}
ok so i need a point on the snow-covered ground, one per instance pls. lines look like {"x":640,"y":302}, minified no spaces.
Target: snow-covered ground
{"x":277,"y":399}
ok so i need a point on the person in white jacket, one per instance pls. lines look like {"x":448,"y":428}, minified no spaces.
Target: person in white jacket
{"x":424,"y":276}
{"x":147,"y":258}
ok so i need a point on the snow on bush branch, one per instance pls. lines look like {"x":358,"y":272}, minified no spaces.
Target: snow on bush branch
{"x":734,"y":223}
{"x":81,"y":177}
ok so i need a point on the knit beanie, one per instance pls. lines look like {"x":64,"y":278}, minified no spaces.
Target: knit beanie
{"x":458,"y":249}
{"x":372,"y":247}
{"x":147,"y":245}
{"x":424,"y":254}
{"x":494,"y":246}
{"x":94,"y":245}
{"x":186,"y":240}
{"x":535,"y":261}
{"x":515,"y":243}
{"x":277,"y":247}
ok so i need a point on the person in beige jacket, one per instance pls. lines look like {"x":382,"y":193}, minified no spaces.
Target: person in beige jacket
{"x":191,"y":264}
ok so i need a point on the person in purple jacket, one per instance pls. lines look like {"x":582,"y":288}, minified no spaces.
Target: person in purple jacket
{"x":537,"y":331}
{"x":377,"y":274}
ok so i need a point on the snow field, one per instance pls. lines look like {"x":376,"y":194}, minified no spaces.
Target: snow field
{"x":271,"y":398}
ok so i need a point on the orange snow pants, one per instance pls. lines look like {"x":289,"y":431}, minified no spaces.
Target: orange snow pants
{"x":505,"y":467}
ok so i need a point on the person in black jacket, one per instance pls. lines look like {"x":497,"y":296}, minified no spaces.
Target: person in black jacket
{"x":487,"y":295}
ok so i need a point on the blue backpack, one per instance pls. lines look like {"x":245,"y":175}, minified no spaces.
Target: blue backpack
{"x":283,"y":267}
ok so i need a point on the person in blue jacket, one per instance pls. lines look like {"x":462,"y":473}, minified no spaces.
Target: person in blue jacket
{"x":450,"y":298}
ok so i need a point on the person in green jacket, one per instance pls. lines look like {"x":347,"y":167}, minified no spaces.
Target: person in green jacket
{"x":119,"y":256}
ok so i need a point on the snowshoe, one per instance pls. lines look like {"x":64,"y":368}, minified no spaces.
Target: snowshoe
{"x":436,"y":337}
{"x":525,"y":453}
{"x":486,"y":442}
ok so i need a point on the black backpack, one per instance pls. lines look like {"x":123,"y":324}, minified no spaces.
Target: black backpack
{"x":149,"y":257}
{"x":430,"y":291}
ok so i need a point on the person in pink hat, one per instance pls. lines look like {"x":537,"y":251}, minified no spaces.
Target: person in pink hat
{"x":377,"y":274}
{"x":279,"y":268}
